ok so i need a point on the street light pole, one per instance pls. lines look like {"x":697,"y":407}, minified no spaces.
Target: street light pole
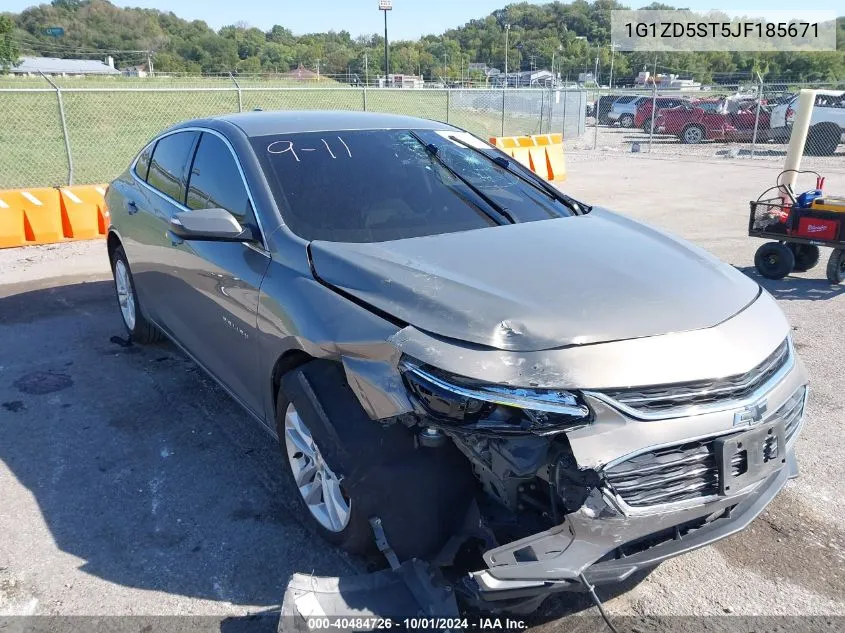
{"x":507,"y":32}
{"x":385,"y":5}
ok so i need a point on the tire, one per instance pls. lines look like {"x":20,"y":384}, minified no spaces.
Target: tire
{"x":806,"y":256}
{"x":139,"y":328}
{"x":420,"y":494}
{"x":774,"y":260}
{"x":647,"y":126}
{"x":823,"y":139}
{"x":692,"y":135}
{"x":836,"y":266}
{"x":626,"y":121}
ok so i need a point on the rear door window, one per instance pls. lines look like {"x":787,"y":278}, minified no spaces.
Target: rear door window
{"x":168,"y":171}
{"x":216,"y":183}
{"x":142,"y":165}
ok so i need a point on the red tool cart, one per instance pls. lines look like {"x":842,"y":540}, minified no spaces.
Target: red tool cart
{"x":798,"y":229}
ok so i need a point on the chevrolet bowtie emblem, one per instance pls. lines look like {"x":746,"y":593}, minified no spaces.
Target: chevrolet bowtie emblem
{"x":751,"y":414}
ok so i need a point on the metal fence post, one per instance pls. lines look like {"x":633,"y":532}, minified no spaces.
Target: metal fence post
{"x":551,"y":109}
{"x":448,"y":103}
{"x":365,"y":97}
{"x":503,"y":108}
{"x":563,"y":125}
{"x":595,"y":119}
{"x":653,"y":112}
{"x":238,"y":88}
{"x":757,"y":115}
{"x":64,"y":129}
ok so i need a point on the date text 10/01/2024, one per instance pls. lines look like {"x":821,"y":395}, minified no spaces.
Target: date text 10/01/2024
{"x":414,"y":624}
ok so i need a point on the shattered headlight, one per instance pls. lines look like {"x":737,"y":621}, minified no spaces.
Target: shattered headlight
{"x":496,"y":408}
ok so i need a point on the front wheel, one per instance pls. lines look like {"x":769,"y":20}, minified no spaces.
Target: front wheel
{"x":348,"y":468}
{"x":836,"y":266}
{"x":140,"y":329}
{"x":626,"y":121}
{"x":774,"y":260}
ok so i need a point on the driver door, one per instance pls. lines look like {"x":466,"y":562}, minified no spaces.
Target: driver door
{"x":215,"y":285}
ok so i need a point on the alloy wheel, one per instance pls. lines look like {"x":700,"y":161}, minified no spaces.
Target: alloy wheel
{"x":319,"y":486}
{"x":125,"y":296}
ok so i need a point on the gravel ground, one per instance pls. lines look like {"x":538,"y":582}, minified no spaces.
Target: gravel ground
{"x":131,"y":485}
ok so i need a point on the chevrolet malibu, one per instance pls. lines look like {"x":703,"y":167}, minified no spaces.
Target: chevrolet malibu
{"x":454,"y":355}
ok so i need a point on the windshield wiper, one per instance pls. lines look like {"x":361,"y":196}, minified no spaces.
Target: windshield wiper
{"x":539,"y":184}
{"x":432,"y":149}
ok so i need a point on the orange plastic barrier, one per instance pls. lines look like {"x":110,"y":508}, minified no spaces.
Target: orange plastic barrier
{"x":84,"y":213}
{"x":47,"y":215}
{"x":541,"y":153}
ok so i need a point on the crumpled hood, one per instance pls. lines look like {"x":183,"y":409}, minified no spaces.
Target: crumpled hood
{"x":541,"y":285}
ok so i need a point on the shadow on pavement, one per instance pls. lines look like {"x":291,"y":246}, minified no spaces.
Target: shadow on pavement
{"x":140,"y":465}
{"x":796,"y":288}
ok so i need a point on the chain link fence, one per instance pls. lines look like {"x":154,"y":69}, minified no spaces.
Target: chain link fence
{"x":67,"y":131}
{"x":728,"y":121}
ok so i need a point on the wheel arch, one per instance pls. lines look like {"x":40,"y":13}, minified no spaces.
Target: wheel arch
{"x":285,"y":363}
{"x":112,"y":242}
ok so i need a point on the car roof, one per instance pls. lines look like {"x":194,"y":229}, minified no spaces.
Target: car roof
{"x":260,"y":123}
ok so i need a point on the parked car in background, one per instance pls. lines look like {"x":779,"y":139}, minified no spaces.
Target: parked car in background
{"x":624,"y":110}
{"x":712,"y":119}
{"x":558,"y":425}
{"x":602,"y":108}
{"x":642,"y":117}
{"x":827,"y":123}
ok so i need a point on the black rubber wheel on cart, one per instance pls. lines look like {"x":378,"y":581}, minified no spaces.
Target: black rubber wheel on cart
{"x":836,"y":266}
{"x":806,"y":256}
{"x":774,"y":260}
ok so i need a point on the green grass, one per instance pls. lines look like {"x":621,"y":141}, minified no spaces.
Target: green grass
{"x":108,"y":125}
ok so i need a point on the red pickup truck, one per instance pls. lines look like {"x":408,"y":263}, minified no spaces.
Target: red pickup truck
{"x":713,"y":119}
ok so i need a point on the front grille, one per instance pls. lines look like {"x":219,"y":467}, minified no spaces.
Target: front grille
{"x":690,"y":471}
{"x":791,"y":412}
{"x":667,"y":475}
{"x":679,"y":398}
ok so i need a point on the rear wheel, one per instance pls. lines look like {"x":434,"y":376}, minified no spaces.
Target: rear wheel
{"x":647,"y":126}
{"x":626,"y":120}
{"x":692,"y":134}
{"x":836,"y":266}
{"x":774,"y":260}
{"x":139,"y":328}
{"x":806,"y":256}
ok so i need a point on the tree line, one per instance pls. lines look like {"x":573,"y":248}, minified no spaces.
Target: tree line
{"x":574,"y":36}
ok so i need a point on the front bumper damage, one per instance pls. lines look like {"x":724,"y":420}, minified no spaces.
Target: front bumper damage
{"x":595,"y":536}
{"x":596,"y":532}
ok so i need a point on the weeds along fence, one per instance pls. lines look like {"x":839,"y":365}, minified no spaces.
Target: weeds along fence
{"x":57,"y":132}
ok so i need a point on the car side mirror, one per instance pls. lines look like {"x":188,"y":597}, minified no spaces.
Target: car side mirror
{"x":212,"y":225}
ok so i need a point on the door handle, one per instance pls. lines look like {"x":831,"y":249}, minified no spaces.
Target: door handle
{"x":175,"y":240}
{"x":133,"y":208}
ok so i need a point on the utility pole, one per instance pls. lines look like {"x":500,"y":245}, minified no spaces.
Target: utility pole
{"x":445,"y":72}
{"x":318,"y":69}
{"x":366,"y":70}
{"x":385,"y":5}
{"x":150,"y":63}
{"x":612,"y":55}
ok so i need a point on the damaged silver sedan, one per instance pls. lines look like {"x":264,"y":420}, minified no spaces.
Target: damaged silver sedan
{"x":466,"y":369}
